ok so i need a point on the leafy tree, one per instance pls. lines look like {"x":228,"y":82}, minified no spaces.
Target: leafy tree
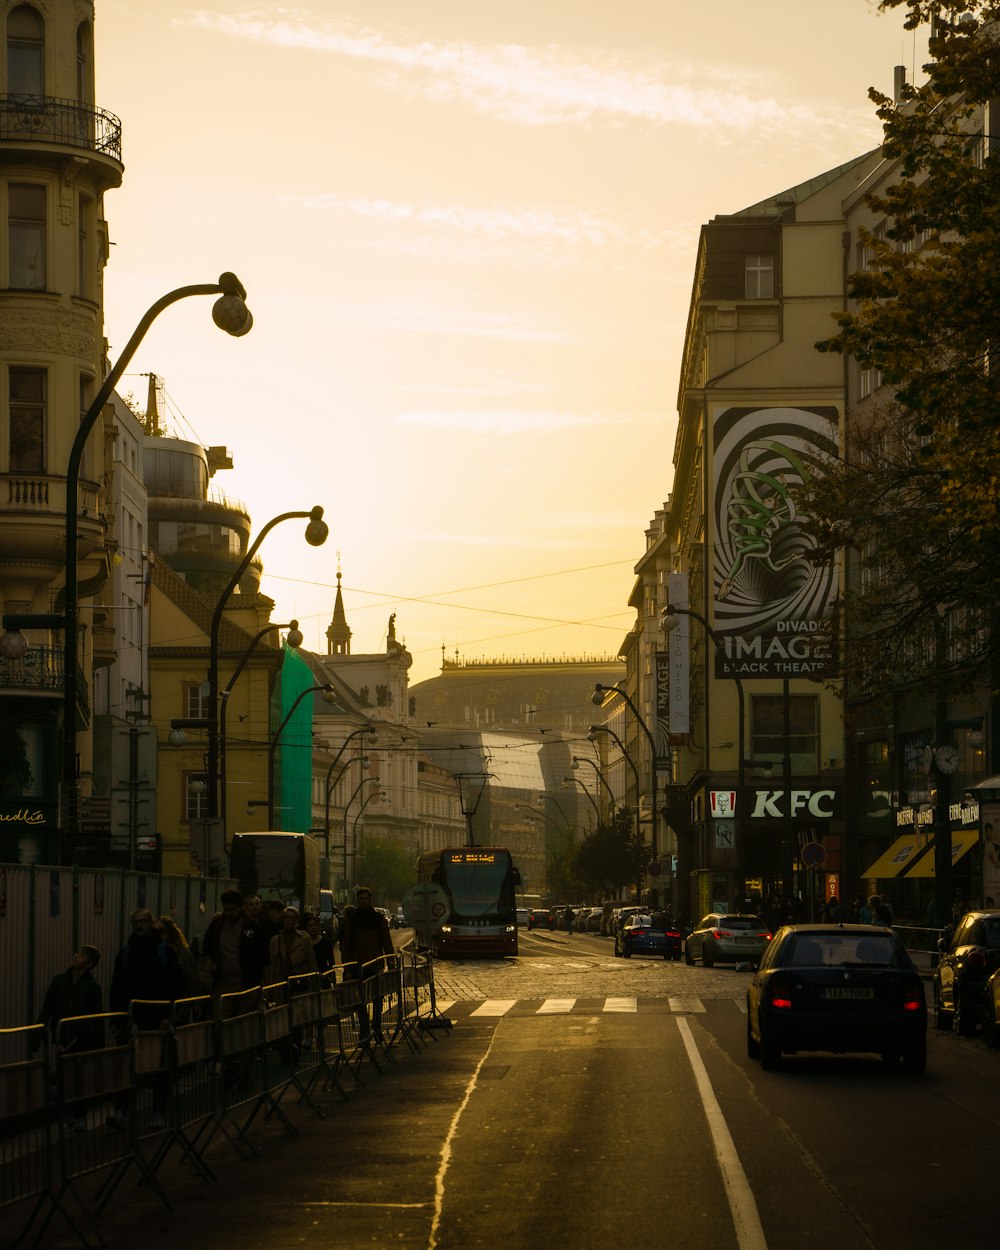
{"x":561,"y":878}
{"x":612,"y":857}
{"x":388,"y":868}
{"x":916,"y":497}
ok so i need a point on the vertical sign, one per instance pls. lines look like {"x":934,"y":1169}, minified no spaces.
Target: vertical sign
{"x":773,"y":603}
{"x":679,"y":657}
{"x":662,"y":727}
{"x":990,"y":814}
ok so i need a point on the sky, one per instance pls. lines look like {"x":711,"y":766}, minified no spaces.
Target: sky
{"x":467,"y":234}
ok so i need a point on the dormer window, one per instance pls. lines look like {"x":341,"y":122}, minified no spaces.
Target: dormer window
{"x":759,"y":275}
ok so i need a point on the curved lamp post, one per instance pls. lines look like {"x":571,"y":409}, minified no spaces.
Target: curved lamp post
{"x":582,"y":759}
{"x":330,"y":786}
{"x":357,"y":790}
{"x":598,"y":699}
{"x":316,"y":535}
{"x":229,"y":313}
{"x":272,"y":744}
{"x":375,"y":794}
{"x":575,"y":781}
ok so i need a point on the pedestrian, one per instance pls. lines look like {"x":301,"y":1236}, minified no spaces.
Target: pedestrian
{"x":365,"y":940}
{"x":237,"y":947}
{"x":70,"y":994}
{"x":568,"y":918}
{"x":291,"y":951}
{"x":865,"y":913}
{"x":144,"y":984}
{"x":321,"y":943}
{"x":881,"y":911}
{"x":187,"y":977}
{"x":269,"y":918}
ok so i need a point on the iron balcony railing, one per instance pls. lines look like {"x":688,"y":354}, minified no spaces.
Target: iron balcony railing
{"x":45,"y":119}
{"x":41,"y":668}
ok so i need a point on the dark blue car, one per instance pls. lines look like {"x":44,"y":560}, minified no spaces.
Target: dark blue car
{"x":647,"y":933}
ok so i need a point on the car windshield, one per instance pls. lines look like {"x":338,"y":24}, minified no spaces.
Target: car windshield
{"x":988,"y":932}
{"x":840,"y":950}
{"x":741,"y":922}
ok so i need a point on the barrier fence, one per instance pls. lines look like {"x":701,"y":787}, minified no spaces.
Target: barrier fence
{"x":218,"y":1065}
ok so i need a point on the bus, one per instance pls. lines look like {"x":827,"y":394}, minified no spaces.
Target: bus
{"x":277,"y":865}
{"x":480,"y":882}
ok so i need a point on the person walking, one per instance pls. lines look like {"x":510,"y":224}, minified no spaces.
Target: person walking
{"x":365,"y":940}
{"x":291,"y":951}
{"x":236,"y":945}
{"x":73,"y":993}
{"x":321,"y":944}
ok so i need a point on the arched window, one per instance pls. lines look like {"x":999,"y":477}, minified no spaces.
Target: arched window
{"x":25,"y":52}
{"x":84,"y":64}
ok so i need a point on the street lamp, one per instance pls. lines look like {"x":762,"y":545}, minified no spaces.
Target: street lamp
{"x":293,"y":639}
{"x":272,"y":744}
{"x":669,"y":622}
{"x":575,"y":781}
{"x":375,"y":794}
{"x":598,"y":700}
{"x":357,"y":790}
{"x":330,"y":786}
{"x":470,"y":792}
{"x":229,"y":313}
{"x":578,"y":760}
{"x":316,"y":534}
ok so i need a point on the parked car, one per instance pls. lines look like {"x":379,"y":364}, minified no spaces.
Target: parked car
{"x":522,"y":914}
{"x":966,"y":961}
{"x":991,"y":1010}
{"x":619,"y":916}
{"x":645,"y":933}
{"x":838,"y":988}
{"x":593,"y":924}
{"x":726,"y":937}
{"x":541,"y":918}
{"x":399,"y":920}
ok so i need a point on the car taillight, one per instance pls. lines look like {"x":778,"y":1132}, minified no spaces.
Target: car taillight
{"x":673,"y":933}
{"x":639,"y":932}
{"x":976,"y":958}
{"x":781,"y":996}
{"x":912,"y":1001}
{"x":717,"y":933}
{"x":765,"y":935}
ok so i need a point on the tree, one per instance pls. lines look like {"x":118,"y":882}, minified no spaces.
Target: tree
{"x":916,"y":497}
{"x":612,"y":857}
{"x":388,"y":868}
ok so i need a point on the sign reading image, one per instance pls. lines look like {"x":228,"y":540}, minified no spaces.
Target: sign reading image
{"x":773,"y":604}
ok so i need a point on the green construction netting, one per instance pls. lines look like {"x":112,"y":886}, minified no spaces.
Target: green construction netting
{"x":293,"y":754}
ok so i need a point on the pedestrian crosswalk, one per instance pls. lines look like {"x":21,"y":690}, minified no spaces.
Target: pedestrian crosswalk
{"x":496,"y":1008}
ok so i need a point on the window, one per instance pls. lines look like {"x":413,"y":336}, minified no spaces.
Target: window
{"x":83,"y":64}
{"x":26,"y":235}
{"x":196,"y":701}
{"x":85,"y":247}
{"x":767,"y":728}
{"x":195,"y":797}
{"x":28,"y":389}
{"x":759,"y":272}
{"x":25,"y":52}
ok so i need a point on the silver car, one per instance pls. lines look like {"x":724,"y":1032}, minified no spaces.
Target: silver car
{"x":727,"y":937}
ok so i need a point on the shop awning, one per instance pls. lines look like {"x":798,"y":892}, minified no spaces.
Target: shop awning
{"x":962,"y":841}
{"x":902,"y":852}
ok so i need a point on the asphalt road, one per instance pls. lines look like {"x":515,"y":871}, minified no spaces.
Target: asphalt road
{"x":590,"y":1102}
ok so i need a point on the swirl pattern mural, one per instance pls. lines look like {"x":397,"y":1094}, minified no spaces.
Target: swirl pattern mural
{"x":772,"y":602}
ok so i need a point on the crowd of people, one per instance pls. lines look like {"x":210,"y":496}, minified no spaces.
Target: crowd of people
{"x":247,"y":944}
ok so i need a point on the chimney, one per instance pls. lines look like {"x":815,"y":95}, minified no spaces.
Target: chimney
{"x":898,"y":82}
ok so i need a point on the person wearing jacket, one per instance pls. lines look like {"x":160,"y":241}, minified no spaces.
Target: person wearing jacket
{"x":236,"y":945}
{"x":291,"y":951}
{"x":364,"y":941}
{"x":75,"y":993}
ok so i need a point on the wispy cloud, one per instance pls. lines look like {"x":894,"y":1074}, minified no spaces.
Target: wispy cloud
{"x":529,"y":86}
{"x":507,"y":420}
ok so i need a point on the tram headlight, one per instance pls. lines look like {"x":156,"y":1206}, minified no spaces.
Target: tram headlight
{"x":445,"y":928}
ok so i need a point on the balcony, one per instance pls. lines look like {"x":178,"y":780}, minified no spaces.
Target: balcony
{"x":40,"y":672}
{"x":65,"y":123}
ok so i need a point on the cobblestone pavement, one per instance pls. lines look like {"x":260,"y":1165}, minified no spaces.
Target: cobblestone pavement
{"x":580,"y":967}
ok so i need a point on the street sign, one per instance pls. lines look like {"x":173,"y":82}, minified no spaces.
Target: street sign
{"x":425,"y":907}
{"x":813,"y":854}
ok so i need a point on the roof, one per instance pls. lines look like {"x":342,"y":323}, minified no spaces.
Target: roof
{"x":782,"y":200}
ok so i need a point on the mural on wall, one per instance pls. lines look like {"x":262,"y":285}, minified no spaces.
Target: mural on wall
{"x":773,"y":605}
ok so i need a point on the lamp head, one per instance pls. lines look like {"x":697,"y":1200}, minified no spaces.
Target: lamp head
{"x":668,"y":620}
{"x":294,"y":636}
{"x":13,"y":644}
{"x":576,"y":762}
{"x":230,"y":312}
{"x":177,"y":737}
{"x":317,"y":530}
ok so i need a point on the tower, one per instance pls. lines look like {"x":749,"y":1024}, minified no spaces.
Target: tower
{"x":59,"y":154}
{"x":338,"y":633}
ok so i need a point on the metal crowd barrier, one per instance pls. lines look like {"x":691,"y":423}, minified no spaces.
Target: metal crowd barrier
{"x":218,"y":1065}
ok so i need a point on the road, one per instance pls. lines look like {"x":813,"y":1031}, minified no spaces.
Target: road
{"x":587,"y":1101}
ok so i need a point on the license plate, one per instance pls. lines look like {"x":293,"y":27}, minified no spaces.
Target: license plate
{"x":845,"y":992}
{"x":746,"y":939}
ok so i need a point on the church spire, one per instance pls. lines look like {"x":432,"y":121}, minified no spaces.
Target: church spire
{"x":338,"y":634}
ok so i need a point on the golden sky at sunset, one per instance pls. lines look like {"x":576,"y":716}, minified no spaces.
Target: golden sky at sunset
{"x":467,"y":234}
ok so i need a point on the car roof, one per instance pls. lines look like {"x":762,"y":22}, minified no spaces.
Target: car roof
{"x":818,"y":930}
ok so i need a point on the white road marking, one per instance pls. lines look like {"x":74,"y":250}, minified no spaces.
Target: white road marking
{"x":553,"y":1005}
{"x":620,"y":1004}
{"x":686,"y":1005}
{"x":494,"y":1007}
{"x":742,"y":1205}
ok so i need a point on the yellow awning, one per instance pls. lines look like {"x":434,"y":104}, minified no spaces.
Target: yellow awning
{"x":962,"y":841}
{"x":895,"y":859}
